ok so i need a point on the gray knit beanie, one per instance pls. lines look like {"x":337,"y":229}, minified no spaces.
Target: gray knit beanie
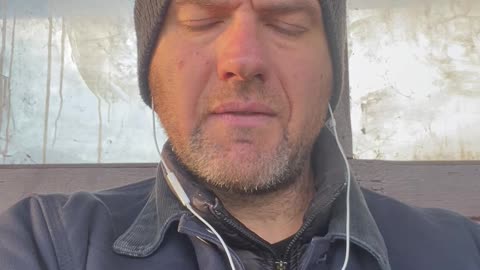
{"x":150,"y":14}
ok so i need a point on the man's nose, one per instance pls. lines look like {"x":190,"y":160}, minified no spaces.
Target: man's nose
{"x":240,"y":55}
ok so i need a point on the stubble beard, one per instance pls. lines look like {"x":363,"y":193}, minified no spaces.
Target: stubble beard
{"x":257,"y":173}
{"x":260,"y":173}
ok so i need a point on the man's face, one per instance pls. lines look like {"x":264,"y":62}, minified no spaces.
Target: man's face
{"x":242,"y":88}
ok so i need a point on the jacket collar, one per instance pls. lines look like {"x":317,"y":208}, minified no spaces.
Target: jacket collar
{"x":163,"y":209}
{"x":364,"y":231}
{"x":147,"y":231}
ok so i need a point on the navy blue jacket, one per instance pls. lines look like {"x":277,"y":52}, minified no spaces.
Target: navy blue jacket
{"x":81,"y":231}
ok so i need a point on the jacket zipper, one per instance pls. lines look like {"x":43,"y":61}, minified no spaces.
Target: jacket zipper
{"x":279,"y":263}
{"x":287,"y":260}
{"x":251,"y":237}
{"x":302,"y":230}
{"x":210,"y":239}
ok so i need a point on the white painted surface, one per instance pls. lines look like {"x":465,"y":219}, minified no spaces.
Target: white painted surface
{"x":100,"y":65}
{"x":415,"y":88}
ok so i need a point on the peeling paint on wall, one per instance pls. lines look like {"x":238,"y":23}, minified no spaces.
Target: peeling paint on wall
{"x":95,"y":110}
{"x":62,"y":77}
{"x":415,"y":88}
{"x":9,"y":93}
{"x":3,"y":77}
{"x":48,"y":91}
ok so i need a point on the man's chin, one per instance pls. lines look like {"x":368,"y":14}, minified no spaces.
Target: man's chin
{"x":244,"y":155}
{"x":246,"y":185}
{"x":243,"y":166}
{"x":243,"y":174}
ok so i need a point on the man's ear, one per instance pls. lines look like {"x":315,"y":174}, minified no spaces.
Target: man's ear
{"x":154,"y":128}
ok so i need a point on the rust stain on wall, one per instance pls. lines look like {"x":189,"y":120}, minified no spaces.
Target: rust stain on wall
{"x":62,"y":75}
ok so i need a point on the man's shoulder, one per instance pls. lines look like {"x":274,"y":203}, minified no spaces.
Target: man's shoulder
{"x":59,"y":229}
{"x":409,"y":228}
{"x":112,"y":198}
{"x":119,"y":205}
{"x":389,"y":209}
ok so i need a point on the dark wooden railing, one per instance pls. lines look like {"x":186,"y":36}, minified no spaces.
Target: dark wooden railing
{"x":449,"y":185}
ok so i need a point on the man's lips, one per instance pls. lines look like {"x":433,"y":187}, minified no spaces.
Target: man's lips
{"x":242,"y":108}
{"x":247,"y":115}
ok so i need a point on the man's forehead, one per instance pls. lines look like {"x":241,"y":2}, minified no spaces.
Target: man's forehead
{"x":255,"y":3}
{"x":310,"y":8}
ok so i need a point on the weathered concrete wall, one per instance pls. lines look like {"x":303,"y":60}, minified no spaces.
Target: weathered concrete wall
{"x":70,"y":94}
{"x":414,"y":84}
{"x":415,"y":88}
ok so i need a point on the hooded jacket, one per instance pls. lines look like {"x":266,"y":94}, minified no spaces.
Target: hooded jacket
{"x":143,"y":226}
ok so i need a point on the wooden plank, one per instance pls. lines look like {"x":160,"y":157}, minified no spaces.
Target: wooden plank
{"x":21,"y":181}
{"x":449,"y":185}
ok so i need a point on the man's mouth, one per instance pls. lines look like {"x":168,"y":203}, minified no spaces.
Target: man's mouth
{"x":245,"y":108}
{"x":243,"y":114}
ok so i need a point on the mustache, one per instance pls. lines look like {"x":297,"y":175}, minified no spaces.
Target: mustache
{"x":242,"y":91}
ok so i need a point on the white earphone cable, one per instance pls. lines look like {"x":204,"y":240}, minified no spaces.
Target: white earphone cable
{"x":182,"y":196}
{"x":224,"y":245}
{"x":348,"y":182}
{"x":177,"y":188}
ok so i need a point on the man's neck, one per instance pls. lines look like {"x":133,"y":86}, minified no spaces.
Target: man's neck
{"x":274,"y":216}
